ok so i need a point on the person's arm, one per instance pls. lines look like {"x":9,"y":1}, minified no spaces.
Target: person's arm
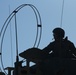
{"x":73,"y":49}
{"x":48,"y":48}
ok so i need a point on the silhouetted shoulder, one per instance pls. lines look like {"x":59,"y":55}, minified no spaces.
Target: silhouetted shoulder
{"x":69,"y":42}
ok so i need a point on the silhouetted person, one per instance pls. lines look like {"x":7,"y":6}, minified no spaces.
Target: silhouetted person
{"x":61,"y":48}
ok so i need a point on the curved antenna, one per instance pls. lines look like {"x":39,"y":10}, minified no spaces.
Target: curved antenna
{"x":2,"y":43}
{"x":8,"y":21}
{"x":34,"y":9}
{"x":38,"y":25}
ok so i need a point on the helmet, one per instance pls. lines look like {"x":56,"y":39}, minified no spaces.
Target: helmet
{"x":59,"y":32}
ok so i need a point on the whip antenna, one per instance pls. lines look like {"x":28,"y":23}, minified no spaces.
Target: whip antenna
{"x":62,"y":14}
{"x":11,"y":40}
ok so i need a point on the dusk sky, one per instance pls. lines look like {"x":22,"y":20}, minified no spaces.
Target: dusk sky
{"x":50,"y":11}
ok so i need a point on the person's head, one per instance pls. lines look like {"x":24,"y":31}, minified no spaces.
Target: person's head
{"x":58,"y":33}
